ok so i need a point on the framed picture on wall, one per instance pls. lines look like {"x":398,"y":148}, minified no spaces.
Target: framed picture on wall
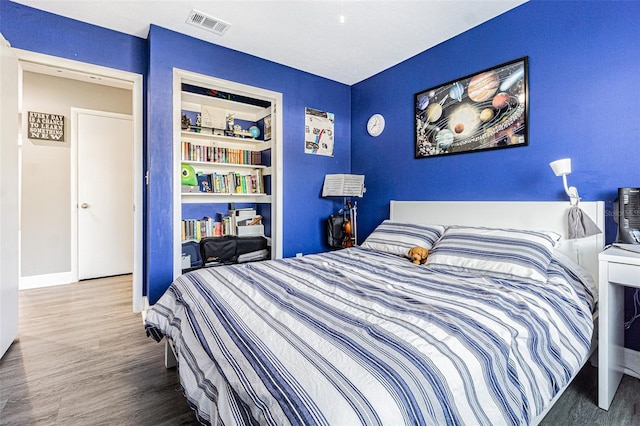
{"x":486,"y":110}
{"x":267,"y":128}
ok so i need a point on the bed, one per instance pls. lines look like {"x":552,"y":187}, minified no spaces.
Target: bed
{"x":490,"y":330}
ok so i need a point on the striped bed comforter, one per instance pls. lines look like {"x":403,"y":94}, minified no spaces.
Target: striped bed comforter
{"x":362,"y":337}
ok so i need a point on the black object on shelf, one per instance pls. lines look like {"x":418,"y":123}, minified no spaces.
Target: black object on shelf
{"x":216,"y":251}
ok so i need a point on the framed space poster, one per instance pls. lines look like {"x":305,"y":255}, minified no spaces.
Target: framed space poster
{"x":482,"y":111}
{"x":318,"y":132}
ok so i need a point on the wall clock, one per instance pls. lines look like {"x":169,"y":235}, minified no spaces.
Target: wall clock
{"x":375,"y":125}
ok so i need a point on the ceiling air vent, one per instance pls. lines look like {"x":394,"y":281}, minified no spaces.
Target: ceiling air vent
{"x":207,"y":22}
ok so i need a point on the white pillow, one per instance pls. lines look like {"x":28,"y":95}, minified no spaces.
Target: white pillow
{"x":495,"y":253}
{"x":398,"y":237}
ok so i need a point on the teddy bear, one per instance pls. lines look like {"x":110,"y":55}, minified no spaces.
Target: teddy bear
{"x":418,"y":255}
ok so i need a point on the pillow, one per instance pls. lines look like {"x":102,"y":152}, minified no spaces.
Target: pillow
{"x":495,"y":253}
{"x":398,"y":237}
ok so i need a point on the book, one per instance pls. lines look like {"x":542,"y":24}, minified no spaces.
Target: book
{"x":204,"y":182}
{"x":196,"y":229}
{"x":257,"y":181}
{"x":238,"y":180}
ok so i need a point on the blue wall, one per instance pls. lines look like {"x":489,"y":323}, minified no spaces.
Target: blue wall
{"x":584,"y":71}
{"x":584,"y":75}
{"x":30,"y":29}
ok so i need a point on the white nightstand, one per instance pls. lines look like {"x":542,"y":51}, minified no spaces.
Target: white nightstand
{"x":618,"y":268}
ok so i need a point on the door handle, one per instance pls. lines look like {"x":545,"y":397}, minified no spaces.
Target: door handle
{"x":84,"y":205}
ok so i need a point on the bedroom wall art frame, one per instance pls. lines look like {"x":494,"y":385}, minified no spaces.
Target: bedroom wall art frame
{"x":485,"y":110}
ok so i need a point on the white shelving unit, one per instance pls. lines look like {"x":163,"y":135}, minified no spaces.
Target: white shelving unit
{"x":216,"y":141}
{"x":183,"y":100}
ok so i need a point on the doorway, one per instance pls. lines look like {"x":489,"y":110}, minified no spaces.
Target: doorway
{"x":44,"y":64}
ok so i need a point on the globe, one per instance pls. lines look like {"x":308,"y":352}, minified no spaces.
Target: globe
{"x":255,"y":132}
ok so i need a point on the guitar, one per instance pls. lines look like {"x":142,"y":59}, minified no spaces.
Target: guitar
{"x":347,"y":240}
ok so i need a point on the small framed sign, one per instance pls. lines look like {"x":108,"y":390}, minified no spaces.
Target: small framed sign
{"x":45,"y":126}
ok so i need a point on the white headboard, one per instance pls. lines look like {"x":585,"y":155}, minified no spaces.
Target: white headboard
{"x":534,"y":215}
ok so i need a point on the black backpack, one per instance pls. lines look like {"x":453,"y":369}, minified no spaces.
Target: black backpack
{"x":335,"y":230}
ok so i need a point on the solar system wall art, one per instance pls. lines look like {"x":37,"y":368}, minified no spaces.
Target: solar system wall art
{"x":482,"y":111}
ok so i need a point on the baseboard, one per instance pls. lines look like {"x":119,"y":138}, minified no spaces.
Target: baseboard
{"x":46,"y":280}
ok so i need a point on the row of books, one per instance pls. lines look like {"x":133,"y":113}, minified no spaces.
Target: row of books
{"x":237,"y":222}
{"x":195,"y":229}
{"x":231,"y":183}
{"x":214,"y":154}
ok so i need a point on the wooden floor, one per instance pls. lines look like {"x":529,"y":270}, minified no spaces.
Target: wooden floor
{"x":82,"y":358}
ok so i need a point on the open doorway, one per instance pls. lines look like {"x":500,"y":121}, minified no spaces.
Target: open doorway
{"x":93,"y":88}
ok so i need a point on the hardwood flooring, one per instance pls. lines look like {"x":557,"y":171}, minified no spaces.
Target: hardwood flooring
{"x":82,"y":358}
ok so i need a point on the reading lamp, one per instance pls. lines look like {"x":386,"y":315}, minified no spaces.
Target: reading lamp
{"x":563,"y":168}
{"x":579,"y":224}
{"x":345,"y":185}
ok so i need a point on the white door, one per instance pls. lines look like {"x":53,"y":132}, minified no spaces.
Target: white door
{"x":105,"y":194}
{"x":9,"y":248}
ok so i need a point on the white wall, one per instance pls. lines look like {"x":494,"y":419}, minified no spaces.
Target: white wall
{"x":46,"y":180}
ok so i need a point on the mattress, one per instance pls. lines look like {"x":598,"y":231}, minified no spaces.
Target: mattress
{"x":360,"y":336}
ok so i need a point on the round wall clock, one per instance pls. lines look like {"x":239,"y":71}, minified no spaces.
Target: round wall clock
{"x":375,"y":125}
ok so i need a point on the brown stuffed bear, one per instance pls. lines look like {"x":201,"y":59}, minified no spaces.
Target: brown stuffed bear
{"x":418,"y":255}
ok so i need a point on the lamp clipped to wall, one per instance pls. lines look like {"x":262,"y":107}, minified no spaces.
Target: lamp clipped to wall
{"x":580,"y":224}
{"x":563,"y":168}
{"x":345,"y":186}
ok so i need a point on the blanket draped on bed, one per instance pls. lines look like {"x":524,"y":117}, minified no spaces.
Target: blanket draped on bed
{"x":362,"y":337}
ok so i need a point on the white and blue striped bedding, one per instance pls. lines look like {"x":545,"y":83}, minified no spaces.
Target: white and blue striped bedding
{"x":359,"y":336}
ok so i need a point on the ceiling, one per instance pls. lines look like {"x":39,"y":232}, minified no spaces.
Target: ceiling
{"x":303,"y":34}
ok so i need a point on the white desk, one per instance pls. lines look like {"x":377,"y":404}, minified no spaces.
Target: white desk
{"x":618,"y":268}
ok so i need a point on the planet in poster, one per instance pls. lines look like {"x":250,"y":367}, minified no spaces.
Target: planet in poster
{"x":444,"y":139}
{"x":456,"y":91}
{"x":486,"y":114}
{"x":423,"y":102}
{"x":483,"y":86}
{"x":501,"y":100}
{"x":434,"y":112}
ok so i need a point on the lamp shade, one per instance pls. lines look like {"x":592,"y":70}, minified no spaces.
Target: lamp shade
{"x":561,"y":167}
